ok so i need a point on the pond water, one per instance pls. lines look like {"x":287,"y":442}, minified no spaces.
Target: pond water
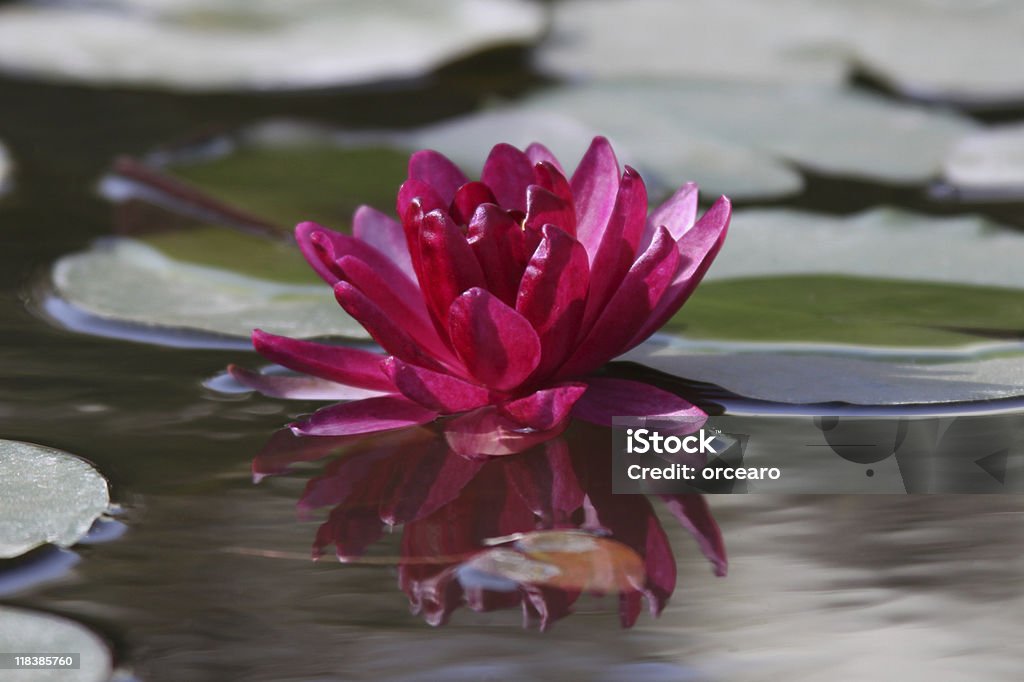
{"x":212,"y":578}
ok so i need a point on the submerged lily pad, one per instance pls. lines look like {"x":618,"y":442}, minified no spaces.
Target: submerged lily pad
{"x":260,"y":44}
{"x":32,"y":632}
{"x":125,"y":280}
{"x":46,"y":496}
{"x":967,"y":51}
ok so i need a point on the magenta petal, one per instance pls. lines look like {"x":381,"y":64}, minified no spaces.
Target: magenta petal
{"x":487,"y":233}
{"x":691,"y":510}
{"x":552,"y":295}
{"x":436,"y":391}
{"x":606,"y":398}
{"x":698,"y":248}
{"x":428,"y":198}
{"x":466,"y":200}
{"x":364,"y":416}
{"x":485,"y":432}
{"x":301,"y":387}
{"x":544,"y":409}
{"x":546,"y":208}
{"x":594,"y":186}
{"x":384,"y":234}
{"x":438,"y":171}
{"x":349,"y":366}
{"x":384,"y":330}
{"x":677,"y":214}
{"x":448,"y":266}
{"x":507,"y":172}
{"x":497,"y":344}
{"x":629,"y":308}
{"x":617,"y":247}
{"x":413,"y":314}
{"x":317,"y":251}
{"x":538,"y":153}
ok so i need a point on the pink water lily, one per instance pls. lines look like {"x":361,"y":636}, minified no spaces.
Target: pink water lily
{"x":505,"y":293}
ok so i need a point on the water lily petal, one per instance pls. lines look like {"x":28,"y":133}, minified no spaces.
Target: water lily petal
{"x":553,"y":293}
{"x":428,"y":197}
{"x":497,"y":344}
{"x":487,"y":234}
{"x":677,"y":213}
{"x":317,"y":251}
{"x":693,"y":514}
{"x":466,"y":200}
{"x":508,"y":171}
{"x":594,"y":186}
{"x":349,"y":366}
{"x":544,"y":409}
{"x":438,"y":171}
{"x":416,"y":321}
{"x":617,"y":246}
{"x":301,"y":387}
{"x":448,"y":266}
{"x":630,"y":306}
{"x":384,"y":329}
{"x":544,"y":207}
{"x":434,"y":390}
{"x":550,"y":177}
{"x":364,"y":416}
{"x":538,"y":153}
{"x":606,"y":398}
{"x":698,"y":248}
{"x":385,"y":234}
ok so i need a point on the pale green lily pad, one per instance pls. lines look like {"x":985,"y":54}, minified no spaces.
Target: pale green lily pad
{"x":988,"y":163}
{"x":253,"y":44}
{"x":967,"y":51}
{"x":125,"y":280}
{"x":740,"y":140}
{"x":46,"y":496}
{"x":882,"y":243}
{"x":32,"y":632}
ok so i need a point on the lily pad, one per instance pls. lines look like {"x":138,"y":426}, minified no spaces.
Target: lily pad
{"x":882,"y":243}
{"x":927,"y":48}
{"x":125,"y":280}
{"x":988,"y":164}
{"x":742,"y":140}
{"x":46,"y":496}
{"x":198,"y":45}
{"x":32,"y":632}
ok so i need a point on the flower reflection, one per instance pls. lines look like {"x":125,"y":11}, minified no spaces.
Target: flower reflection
{"x":534,"y":531}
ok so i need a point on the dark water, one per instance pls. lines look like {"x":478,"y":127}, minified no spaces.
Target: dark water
{"x":212,"y":580}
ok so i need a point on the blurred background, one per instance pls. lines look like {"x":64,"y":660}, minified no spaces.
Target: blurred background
{"x":154,"y":155}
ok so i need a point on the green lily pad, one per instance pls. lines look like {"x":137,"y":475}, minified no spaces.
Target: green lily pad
{"x":125,"y":280}
{"x":919,"y":47}
{"x":46,"y":496}
{"x":198,"y":45}
{"x":828,"y":309}
{"x":32,"y":632}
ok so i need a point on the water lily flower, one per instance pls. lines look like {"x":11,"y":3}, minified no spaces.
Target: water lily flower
{"x":503,"y":294}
